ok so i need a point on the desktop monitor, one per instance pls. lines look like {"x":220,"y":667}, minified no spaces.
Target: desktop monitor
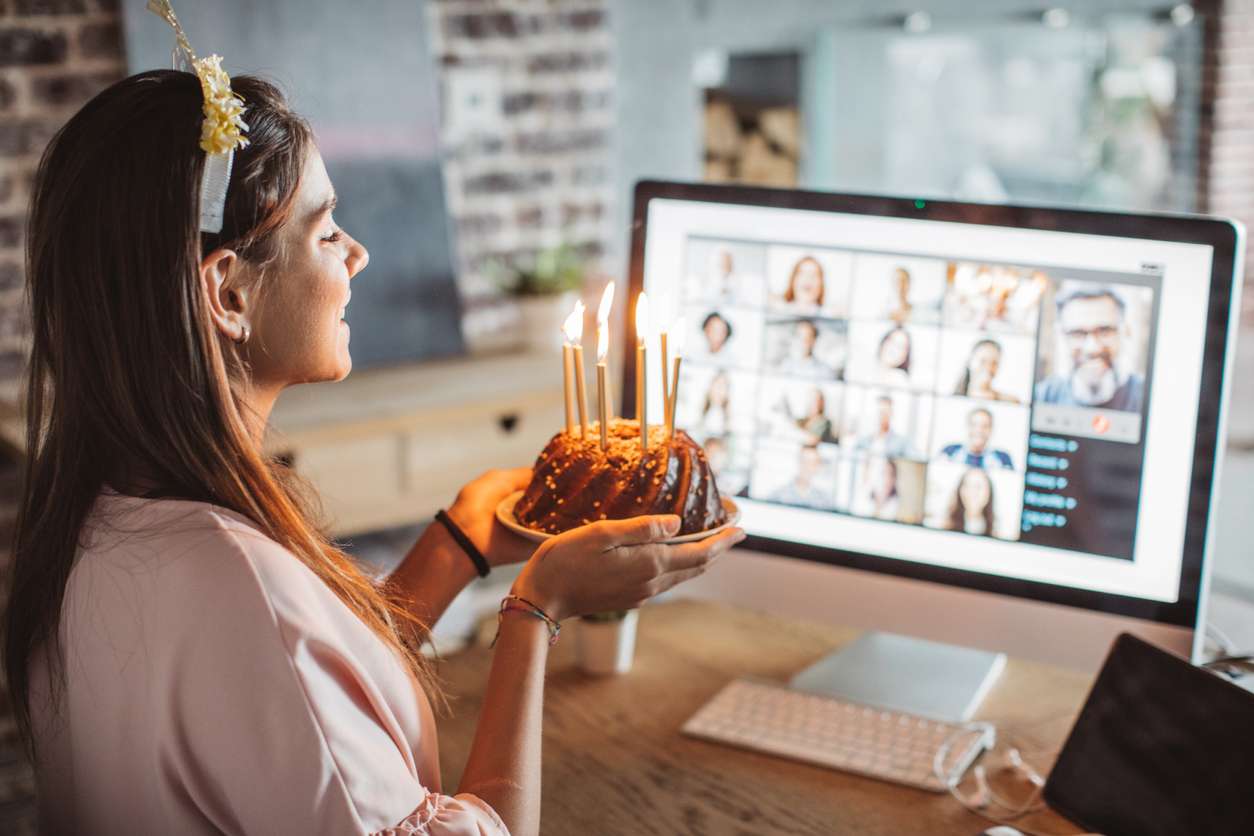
{"x":997,"y":426}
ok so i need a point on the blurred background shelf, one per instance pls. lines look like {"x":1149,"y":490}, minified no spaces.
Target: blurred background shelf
{"x":388,"y":447}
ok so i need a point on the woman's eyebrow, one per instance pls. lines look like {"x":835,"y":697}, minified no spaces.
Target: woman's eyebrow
{"x":326,"y":206}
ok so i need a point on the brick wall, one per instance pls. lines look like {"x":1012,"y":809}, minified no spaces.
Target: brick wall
{"x":54,"y":55}
{"x":527,"y":108}
{"x":1228,"y":174}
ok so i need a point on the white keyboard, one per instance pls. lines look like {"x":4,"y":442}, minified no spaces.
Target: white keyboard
{"x":834,"y":733}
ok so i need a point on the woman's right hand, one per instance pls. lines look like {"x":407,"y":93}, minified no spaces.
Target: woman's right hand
{"x":615,"y":565}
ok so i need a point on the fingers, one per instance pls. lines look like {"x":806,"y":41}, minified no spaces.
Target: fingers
{"x":634,"y":531}
{"x":515,"y":479}
{"x":691,"y":555}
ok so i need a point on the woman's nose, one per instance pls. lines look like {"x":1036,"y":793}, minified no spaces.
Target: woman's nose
{"x":358,"y":257}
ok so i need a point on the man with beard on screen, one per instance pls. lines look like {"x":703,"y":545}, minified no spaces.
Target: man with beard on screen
{"x":1093,"y":324}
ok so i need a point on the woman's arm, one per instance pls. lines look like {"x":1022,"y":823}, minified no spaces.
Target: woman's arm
{"x":609,"y":565}
{"x":432,"y":574}
{"x":504,"y":764}
{"x":436,"y":568}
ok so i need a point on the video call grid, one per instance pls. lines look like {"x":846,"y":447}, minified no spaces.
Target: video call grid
{"x":843,"y":479}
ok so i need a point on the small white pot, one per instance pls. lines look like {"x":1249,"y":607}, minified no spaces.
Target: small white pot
{"x":605,"y":647}
{"x":541,"y":318}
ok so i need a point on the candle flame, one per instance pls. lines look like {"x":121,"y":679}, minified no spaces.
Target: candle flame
{"x":603,"y":342}
{"x":678,"y":332}
{"x":607,"y":302}
{"x":573,"y":327}
{"x":642,"y":316}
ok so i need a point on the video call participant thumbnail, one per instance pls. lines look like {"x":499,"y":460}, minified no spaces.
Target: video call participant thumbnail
{"x":979,"y":374}
{"x":805,"y":488}
{"x":971,"y":506}
{"x":975,"y":452}
{"x":1093,"y":324}
{"x":882,"y":439}
{"x":801,"y":358}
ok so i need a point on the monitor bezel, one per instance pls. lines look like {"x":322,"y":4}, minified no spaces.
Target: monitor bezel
{"x":1222,"y":235}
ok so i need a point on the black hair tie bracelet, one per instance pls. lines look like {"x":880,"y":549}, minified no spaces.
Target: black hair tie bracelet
{"x":472,"y":551}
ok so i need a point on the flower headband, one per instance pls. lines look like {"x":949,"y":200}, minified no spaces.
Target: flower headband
{"x":222,"y":130}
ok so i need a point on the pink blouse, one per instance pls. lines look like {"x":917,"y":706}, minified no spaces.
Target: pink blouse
{"x":214,"y":684}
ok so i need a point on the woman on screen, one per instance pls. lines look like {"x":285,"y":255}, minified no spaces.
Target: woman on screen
{"x":899,"y":305}
{"x":892,"y":358}
{"x":715,"y":418}
{"x":877,"y":490}
{"x":980,"y":372}
{"x":716,"y":336}
{"x":813,"y":426}
{"x":806,"y":285}
{"x":971,"y":509}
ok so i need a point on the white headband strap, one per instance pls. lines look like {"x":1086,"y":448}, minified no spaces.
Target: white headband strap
{"x":213,"y":185}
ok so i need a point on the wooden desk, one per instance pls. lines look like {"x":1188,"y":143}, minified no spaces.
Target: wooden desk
{"x":615,"y":763}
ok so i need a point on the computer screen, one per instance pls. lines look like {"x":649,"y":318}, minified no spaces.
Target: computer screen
{"x":1018,"y":403}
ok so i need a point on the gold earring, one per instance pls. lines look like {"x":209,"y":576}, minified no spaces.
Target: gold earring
{"x":244,"y":335}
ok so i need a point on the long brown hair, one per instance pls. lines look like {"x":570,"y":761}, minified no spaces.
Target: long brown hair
{"x":958,"y":509}
{"x":112,"y":275}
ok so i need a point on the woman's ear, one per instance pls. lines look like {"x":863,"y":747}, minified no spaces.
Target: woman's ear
{"x":220,"y":277}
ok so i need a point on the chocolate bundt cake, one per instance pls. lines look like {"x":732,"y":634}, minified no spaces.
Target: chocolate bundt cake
{"x":576,"y":482}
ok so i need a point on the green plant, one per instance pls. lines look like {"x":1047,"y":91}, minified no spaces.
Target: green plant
{"x":549,"y":272}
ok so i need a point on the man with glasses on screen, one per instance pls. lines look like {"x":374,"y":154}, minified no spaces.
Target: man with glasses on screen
{"x":1093,"y":323}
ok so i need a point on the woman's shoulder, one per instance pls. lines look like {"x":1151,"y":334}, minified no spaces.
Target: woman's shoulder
{"x":169,"y":552}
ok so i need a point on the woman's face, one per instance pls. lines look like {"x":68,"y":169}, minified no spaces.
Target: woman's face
{"x":985,"y":361}
{"x":296,"y":315}
{"x":715,"y":334}
{"x":975,"y":491}
{"x":895,"y":350}
{"x":808,"y":282}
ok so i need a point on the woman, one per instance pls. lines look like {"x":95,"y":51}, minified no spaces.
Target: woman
{"x":893,"y":358}
{"x":812,"y":426}
{"x":899,"y":304}
{"x":187,"y":651}
{"x":878,"y":497}
{"x":971,"y":509}
{"x":805,"y":288}
{"x":715,"y":416}
{"x":980,"y":371}
{"x":716,"y":333}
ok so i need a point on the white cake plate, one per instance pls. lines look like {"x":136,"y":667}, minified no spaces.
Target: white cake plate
{"x":505,"y":514}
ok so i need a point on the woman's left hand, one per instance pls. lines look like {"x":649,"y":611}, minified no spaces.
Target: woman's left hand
{"x":474,"y":511}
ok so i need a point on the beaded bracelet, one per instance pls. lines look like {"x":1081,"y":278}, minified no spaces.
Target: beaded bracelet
{"x":513,"y":603}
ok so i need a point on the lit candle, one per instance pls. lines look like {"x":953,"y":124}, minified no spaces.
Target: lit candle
{"x":603,"y":347}
{"x":603,"y":350}
{"x":581,"y":386}
{"x":642,"y":388}
{"x":674,"y":393}
{"x":666,"y":392}
{"x":571,"y":331}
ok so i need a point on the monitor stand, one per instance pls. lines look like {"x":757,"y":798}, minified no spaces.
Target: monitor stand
{"x":940,"y":681}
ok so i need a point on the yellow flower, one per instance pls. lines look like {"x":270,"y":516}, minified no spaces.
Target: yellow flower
{"x":224,"y":126}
